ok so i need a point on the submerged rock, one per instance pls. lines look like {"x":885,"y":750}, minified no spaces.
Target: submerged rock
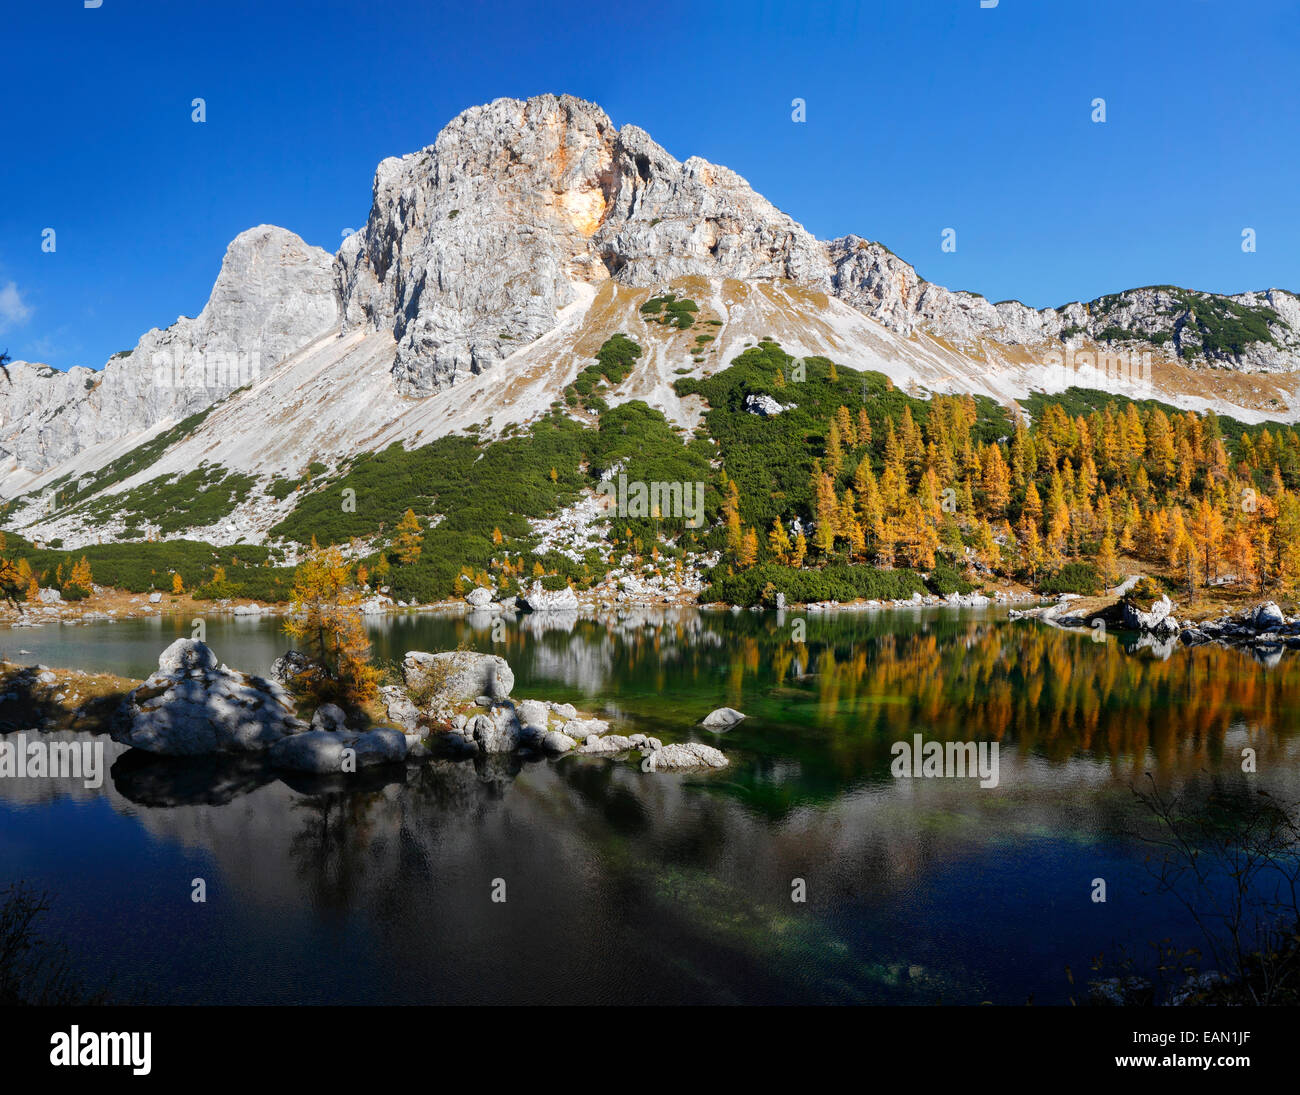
{"x":1121,"y":992}
{"x":691,"y":754}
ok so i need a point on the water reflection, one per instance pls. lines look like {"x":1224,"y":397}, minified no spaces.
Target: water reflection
{"x":623,"y":885}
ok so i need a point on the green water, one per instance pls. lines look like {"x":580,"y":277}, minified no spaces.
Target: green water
{"x":626,"y":886}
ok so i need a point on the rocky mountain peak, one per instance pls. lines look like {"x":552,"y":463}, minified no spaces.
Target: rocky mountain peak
{"x":474,"y":244}
{"x":272,"y":296}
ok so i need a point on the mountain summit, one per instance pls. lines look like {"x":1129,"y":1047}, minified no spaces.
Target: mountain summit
{"x":493,"y":266}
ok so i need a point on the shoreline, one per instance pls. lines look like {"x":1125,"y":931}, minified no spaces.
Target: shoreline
{"x":110,"y":605}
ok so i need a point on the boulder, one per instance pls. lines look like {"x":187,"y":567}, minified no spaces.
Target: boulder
{"x":499,"y":732}
{"x":479,"y":597}
{"x":1267,"y":616}
{"x":458,"y":676}
{"x":538,"y":599}
{"x":187,"y":655}
{"x":192,"y":707}
{"x":533,"y":714}
{"x":401,"y":709}
{"x":607,"y":745}
{"x":289,"y":666}
{"x":676,"y":758}
{"x":325,"y":752}
{"x":329,"y":716}
{"x":1134,"y":619}
{"x":724,"y":718}
{"x":764,"y":406}
{"x":555,"y":742}
{"x":1166,"y":628}
{"x":967,"y":600}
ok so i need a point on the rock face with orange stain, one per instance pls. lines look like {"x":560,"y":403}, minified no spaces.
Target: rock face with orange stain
{"x":475,"y":243}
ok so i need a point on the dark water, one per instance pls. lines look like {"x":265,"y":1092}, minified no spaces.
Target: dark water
{"x":629,"y":887}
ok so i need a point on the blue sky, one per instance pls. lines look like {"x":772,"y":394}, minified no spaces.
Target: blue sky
{"x":920,"y":116}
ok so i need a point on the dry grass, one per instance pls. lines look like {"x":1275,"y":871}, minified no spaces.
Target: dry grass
{"x":73,"y":700}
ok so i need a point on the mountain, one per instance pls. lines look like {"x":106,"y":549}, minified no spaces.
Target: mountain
{"x":493,"y":266}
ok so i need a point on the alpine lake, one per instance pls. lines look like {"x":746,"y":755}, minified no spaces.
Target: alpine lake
{"x":807,"y":871}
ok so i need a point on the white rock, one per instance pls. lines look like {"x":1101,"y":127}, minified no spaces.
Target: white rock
{"x":673,"y":758}
{"x":461,"y":675}
{"x":724,"y":718}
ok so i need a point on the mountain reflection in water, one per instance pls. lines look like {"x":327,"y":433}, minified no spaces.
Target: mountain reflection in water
{"x":623,"y":886}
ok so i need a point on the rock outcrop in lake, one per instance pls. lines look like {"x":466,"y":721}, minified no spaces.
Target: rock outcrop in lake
{"x":460,"y":687}
{"x":724,"y":718}
{"x":456,"y":676}
{"x":194,"y":707}
{"x":1263,"y":629}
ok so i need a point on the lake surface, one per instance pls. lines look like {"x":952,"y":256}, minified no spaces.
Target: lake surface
{"x":626,"y":887}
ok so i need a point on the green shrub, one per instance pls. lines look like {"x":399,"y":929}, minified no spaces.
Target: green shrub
{"x":946,"y":578}
{"x":837,"y":582}
{"x":1081,"y":578}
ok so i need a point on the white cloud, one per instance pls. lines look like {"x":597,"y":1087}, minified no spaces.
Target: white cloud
{"x":12,"y":309}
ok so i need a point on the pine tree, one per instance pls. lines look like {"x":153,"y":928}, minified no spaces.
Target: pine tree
{"x":81,"y":575}
{"x":848,"y":432}
{"x":1108,"y":562}
{"x":997,"y":482}
{"x":178,"y":583}
{"x":800,"y":550}
{"x":834,"y":450}
{"x":408,"y":543}
{"x":1207,"y":532}
{"x":826,"y":514}
{"x":731,"y":517}
{"x":778,"y":541}
{"x":324,"y":617}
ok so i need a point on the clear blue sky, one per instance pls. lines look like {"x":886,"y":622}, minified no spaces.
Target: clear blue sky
{"x":920,"y":116}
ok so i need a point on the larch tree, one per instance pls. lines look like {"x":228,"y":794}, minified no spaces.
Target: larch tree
{"x":409,"y":539}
